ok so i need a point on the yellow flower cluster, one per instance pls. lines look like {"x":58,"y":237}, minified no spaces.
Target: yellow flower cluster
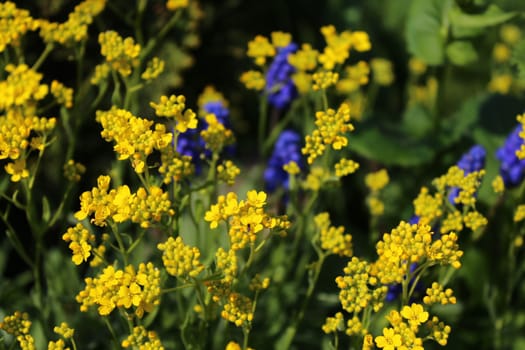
{"x":122,"y":288}
{"x":132,"y":135}
{"x":430,"y":207}
{"x":119,"y":205}
{"x":154,"y":68}
{"x":228,"y":172}
{"x":101,"y":73}
{"x":21,"y":88}
{"x":316,"y":178}
{"x":246,"y":218}
{"x":519,"y":214}
{"x":173,"y":5}
{"x":338,"y":46}
{"x":253,"y":80}
{"x":81,"y":242}
{"x":180,"y":260}
{"x":334,"y":324}
{"x":121,"y":54}
{"x":407,"y":244}
{"x":359,"y":288}
{"x":382,"y":70}
{"x":14,"y":23}
{"x":324,"y":79}
{"x":498,"y":185}
{"x":216,"y":135}
{"x":64,"y":330}
{"x":57,"y":345}
{"x":333,"y":239}
{"x":405,"y":327}
{"x":142,"y":339}
{"x":356,"y":76}
{"x":174,"y":166}
{"x":331,"y":127}
{"x":375,"y":182}
{"x":63,"y":95}
{"x":73,"y":171}
{"x":75,"y":29}
{"x":437,"y":295}
{"x":18,"y":324}
{"x":260,"y":49}
{"x":238,"y":310}
{"x":173,"y":107}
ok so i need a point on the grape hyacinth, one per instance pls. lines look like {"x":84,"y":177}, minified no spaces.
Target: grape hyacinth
{"x":512,"y":169}
{"x":279,"y":85}
{"x":287,"y":148}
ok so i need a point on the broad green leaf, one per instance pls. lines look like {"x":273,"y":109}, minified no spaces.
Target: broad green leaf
{"x":425,"y":31}
{"x":417,"y":120}
{"x":492,"y":16}
{"x":461,"y":52}
{"x":390,"y":147}
{"x":457,"y":125}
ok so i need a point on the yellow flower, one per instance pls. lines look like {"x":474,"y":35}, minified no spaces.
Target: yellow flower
{"x":281,"y":39}
{"x":121,"y":54}
{"x":377,"y":180}
{"x":179,"y":259}
{"x":389,"y":340}
{"x":17,"y":170}
{"x":174,"y":107}
{"x":64,"y":330}
{"x":415,"y":314}
{"x":173,"y":5}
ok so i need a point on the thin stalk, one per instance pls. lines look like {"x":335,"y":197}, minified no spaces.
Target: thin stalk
{"x":43,"y":56}
{"x":263,"y":116}
{"x":113,"y":334}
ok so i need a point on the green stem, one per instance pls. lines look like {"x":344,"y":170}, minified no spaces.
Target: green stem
{"x":153,"y":42}
{"x":13,"y":238}
{"x":120,"y":243}
{"x":263,"y":116}
{"x":113,"y":334}
{"x":43,"y":56}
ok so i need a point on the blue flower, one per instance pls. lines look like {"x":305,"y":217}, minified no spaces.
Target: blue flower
{"x":512,"y":169}
{"x":473,"y":160}
{"x":287,"y":148}
{"x":279,"y":85}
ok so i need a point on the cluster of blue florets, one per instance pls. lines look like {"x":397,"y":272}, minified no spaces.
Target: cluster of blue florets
{"x":287,"y":148}
{"x":279,"y":85}
{"x":512,"y":169}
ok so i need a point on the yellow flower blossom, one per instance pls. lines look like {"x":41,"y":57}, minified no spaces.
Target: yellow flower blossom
{"x":17,"y":170}
{"x":305,"y":59}
{"x":81,"y":241}
{"x":174,"y":107}
{"x":121,"y":54}
{"x":14,"y":23}
{"x":238,"y":310}
{"x":179,"y":259}
{"x":260,"y":49}
{"x":173,"y":5}
{"x":383,"y":73}
{"x":324,"y":79}
{"x":280,"y":39}
{"x":415,"y":314}
{"x":216,"y":135}
{"x":142,"y":339}
{"x":390,"y":340}
{"x":334,"y":324}
{"x":436,"y":294}
{"x":228,"y":172}
{"x":62,"y":94}
{"x":64,"y":330}
{"x":376,"y":181}
{"x":154,"y":68}
{"x":253,"y":80}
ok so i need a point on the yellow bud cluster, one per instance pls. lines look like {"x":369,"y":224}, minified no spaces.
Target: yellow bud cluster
{"x":439,"y":331}
{"x":305,"y":59}
{"x":75,"y":29}
{"x":174,"y":5}
{"x":73,"y":171}
{"x":355,"y":77}
{"x":121,"y":54}
{"x":64,"y":330}
{"x":292,"y":168}
{"x":520,"y":153}
{"x":253,"y":80}
{"x":324,"y":79}
{"x":333,"y":239}
{"x":14,"y":23}
{"x":334,"y":324}
{"x":22,"y":87}
{"x":382,"y":71}
{"x":63,"y":95}
{"x":175,"y":166}
{"x":142,"y":339}
{"x":173,"y":107}
{"x":354,"y":327}
{"x":238,"y":310}
{"x":148,"y":206}
{"x":436,"y":294}
{"x":330,"y":129}
{"x":16,"y":324}
{"x":57,"y":345}
{"x":498,"y":185}
{"x":180,"y":259}
{"x":154,"y":68}
{"x":376,"y":181}
{"x":216,"y":135}
{"x":226,"y":262}
{"x":228,"y":172}
{"x":260,"y":49}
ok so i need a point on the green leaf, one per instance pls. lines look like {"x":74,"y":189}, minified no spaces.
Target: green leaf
{"x":457,"y":125}
{"x":491,"y":17}
{"x":46,"y":209}
{"x":518,"y":58}
{"x":417,"y":120}
{"x":390,"y":147}
{"x":425,"y":32}
{"x":461,"y":53}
